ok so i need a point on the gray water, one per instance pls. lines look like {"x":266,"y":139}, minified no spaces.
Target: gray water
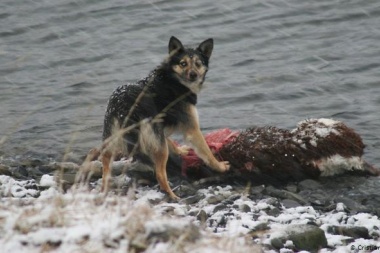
{"x":274,"y":63}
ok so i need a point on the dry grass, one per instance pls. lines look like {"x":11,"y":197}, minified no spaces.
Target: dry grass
{"x":82,"y":221}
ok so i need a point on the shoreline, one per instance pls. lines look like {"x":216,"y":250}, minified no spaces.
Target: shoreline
{"x":214,"y":213}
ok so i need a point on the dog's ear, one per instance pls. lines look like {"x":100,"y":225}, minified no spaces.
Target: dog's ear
{"x":175,"y":45}
{"x":206,"y":47}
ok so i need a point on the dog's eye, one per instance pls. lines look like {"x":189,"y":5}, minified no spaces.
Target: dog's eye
{"x":183,"y":64}
{"x":198,"y":64}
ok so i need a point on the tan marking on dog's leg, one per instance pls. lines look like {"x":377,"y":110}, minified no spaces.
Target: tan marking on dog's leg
{"x":173,"y":148}
{"x":160,"y":157}
{"x":106,"y":161}
{"x":194,"y":135}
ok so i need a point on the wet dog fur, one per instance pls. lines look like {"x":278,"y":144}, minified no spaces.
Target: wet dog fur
{"x":140,"y":117}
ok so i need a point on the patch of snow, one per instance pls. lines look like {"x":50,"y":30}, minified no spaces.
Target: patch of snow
{"x":146,"y":195}
{"x":49,"y":193}
{"x":313,"y":142}
{"x":78,"y":234}
{"x":262,"y":205}
{"x":328,"y":122}
{"x":312,"y":130}
{"x":285,"y":250}
{"x":371,"y":222}
{"x":336,"y":240}
{"x":340,"y":207}
{"x":47,"y":181}
{"x":45,"y":235}
{"x":225,"y":191}
{"x":332,"y":219}
{"x":12,"y":188}
{"x":89,"y":221}
{"x":289,"y":244}
{"x":162,"y":225}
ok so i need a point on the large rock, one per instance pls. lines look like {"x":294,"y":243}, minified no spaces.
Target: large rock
{"x":4,"y":170}
{"x":303,"y":236}
{"x":354,"y":232}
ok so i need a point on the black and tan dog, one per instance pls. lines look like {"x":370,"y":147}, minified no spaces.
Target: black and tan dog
{"x":141,"y":116}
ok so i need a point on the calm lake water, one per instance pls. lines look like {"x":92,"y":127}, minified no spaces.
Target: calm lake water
{"x":274,"y":63}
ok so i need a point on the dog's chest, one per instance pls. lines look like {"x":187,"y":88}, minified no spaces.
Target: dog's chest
{"x":174,"y":106}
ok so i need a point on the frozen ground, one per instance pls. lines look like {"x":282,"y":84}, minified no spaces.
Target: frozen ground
{"x":35,"y":220}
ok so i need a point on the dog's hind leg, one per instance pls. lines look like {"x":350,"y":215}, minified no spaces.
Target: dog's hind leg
{"x":106,"y":161}
{"x":160,"y":157}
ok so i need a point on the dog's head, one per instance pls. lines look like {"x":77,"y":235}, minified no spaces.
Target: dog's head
{"x":190,"y":65}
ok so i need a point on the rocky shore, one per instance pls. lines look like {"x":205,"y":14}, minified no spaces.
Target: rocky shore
{"x":40,"y":210}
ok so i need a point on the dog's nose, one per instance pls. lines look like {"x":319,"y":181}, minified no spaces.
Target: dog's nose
{"x":192,"y":76}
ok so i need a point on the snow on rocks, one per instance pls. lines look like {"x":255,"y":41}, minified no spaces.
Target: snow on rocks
{"x":10,"y":187}
{"x":233,"y":220}
{"x":47,"y":181}
{"x":89,"y":221}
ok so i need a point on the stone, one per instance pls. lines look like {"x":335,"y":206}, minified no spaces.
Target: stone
{"x":245,"y":208}
{"x":65,"y":166}
{"x":34,"y":173}
{"x":219,"y":207}
{"x":289,"y":203}
{"x":309,"y":184}
{"x":291,"y":188}
{"x":168,"y":231}
{"x":192,"y":199}
{"x":202,"y":216}
{"x":231,"y":199}
{"x":375,"y":235}
{"x":139,"y":170}
{"x":283,"y":194}
{"x":31,"y":162}
{"x":277,"y":243}
{"x":351,"y":204}
{"x":19,"y":173}
{"x":274,"y":212}
{"x":318,"y":198}
{"x":184,"y":190}
{"x":69,"y":178}
{"x":215,"y":199}
{"x":354,"y":231}
{"x":296,"y":197}
{"x":4,"y":170}
{"x":257,"y":190}
{"x":304,"y":237}
{"x":271,"y":201}
{"x":273,"y":192}
{"x":261,"y":227}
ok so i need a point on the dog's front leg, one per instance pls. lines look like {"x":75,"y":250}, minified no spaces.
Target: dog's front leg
{"x":194,"y":136}
{"x":198,"y":143}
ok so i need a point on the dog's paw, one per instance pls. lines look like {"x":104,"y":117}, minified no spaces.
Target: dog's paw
{"x":223,"y":166}
{"x":174,"y":197}
{"x":183,"y":150}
